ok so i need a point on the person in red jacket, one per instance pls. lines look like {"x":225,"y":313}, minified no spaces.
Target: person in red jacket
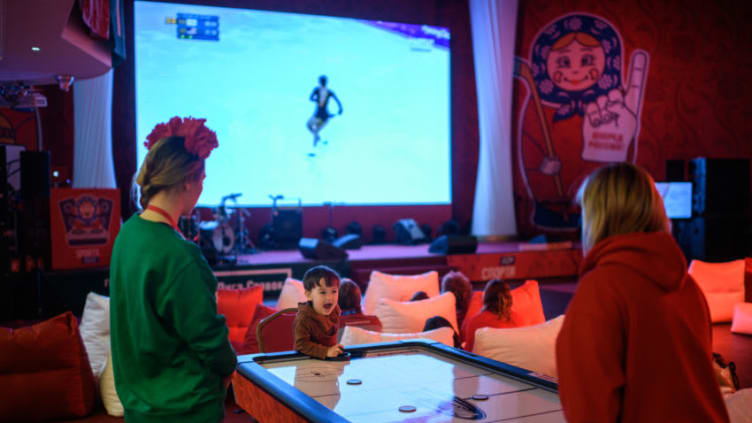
{"x":496,"y":312}
{"x":635,"y":345}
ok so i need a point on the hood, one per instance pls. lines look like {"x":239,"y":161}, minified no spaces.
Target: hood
{"x":306,"y":310}
{"x":655,"y":256}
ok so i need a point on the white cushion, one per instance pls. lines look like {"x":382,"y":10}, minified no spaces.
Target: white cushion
{"x":411,"y":316}
{"x":739,"y":406}
{"x":722,"y":284}
{"x":95,"y":330}
{"x":355,"y":336}
{"x":742,"y":322}
{"x":292,"y":293}
{"x":110,"y":397}
{"x":531,"y":347}
{"x":398,"y":287}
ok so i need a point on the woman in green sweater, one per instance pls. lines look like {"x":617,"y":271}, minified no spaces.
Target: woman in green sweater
{"x":171,"y":355}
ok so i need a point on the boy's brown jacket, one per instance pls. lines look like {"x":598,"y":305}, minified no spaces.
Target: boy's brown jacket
{"x":315,"y":333}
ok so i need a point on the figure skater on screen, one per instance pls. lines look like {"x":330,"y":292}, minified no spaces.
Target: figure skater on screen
{"x":321,"y":95}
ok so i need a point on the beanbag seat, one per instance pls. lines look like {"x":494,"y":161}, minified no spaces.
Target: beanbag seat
{"x":398,"y":287}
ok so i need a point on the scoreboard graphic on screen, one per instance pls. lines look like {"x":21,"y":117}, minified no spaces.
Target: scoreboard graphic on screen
{"x":196,"y":27}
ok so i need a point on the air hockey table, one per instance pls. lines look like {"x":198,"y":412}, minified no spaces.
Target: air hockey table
{"x":415,"y":381}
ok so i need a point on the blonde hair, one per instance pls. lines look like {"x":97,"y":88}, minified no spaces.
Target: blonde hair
{"x":619,"y":198}
{"x":581,"y":37}
{"x":166,"y":167}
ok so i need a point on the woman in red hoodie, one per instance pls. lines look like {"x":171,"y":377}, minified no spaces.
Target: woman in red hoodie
{"x":635,"y":345}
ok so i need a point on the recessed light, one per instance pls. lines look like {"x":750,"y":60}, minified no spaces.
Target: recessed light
{"x":35,"y":48}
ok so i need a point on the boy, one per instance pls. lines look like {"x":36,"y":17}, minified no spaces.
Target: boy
{"x":318,"y":319}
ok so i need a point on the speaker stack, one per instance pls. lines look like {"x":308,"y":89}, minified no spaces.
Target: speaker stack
{"x":719,"y":229}
{"x":35,"y":197}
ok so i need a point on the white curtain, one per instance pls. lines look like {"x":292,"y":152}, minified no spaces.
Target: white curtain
{"x":494,"y":24}
{"x":92,"y":153}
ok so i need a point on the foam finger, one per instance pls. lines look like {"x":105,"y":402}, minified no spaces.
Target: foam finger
{"x":638,"y":69}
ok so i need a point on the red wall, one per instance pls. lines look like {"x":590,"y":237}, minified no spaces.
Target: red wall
{"x":696,"y":96}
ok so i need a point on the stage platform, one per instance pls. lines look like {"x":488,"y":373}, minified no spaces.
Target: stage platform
{"x":512,"y":261}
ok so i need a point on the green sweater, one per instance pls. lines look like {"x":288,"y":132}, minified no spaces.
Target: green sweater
{"x":169,"y":347}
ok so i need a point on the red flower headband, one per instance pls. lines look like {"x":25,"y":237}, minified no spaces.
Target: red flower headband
{"x":199,"y":139}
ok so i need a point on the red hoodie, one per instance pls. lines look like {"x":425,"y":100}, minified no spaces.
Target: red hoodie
{"x":635,"y":345}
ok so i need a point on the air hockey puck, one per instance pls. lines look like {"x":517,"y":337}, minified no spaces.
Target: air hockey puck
{"x":480,"y":397}
{"x":354,"y":381}
{"x":406,"y":409}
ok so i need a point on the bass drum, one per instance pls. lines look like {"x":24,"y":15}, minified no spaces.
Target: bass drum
{"x":223,"y":238}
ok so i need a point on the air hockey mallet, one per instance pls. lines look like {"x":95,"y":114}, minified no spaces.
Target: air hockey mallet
{"x":522,"y":71}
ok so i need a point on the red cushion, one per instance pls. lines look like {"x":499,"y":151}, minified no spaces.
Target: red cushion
{"x":527,"y":308}
{"x":250,"y":343}
{"x":45,"y":372}
{"x":238,"y":307}
{"x":476,"y":304}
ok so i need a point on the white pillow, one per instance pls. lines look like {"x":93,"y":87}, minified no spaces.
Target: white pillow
{"x":722,"y":284}
{"x":110,"y":397}
{"x":411,"y":316}
{"x":354,"y":335}
{"x":95,"y":330}
{"x":530,"y":347}
{"x":398,"y":287}
{"x":292,"y":293}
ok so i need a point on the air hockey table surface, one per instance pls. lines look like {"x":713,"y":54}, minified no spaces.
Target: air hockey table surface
{"x":416,"y":381}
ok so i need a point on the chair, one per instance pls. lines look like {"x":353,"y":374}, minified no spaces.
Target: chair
{"x":723,"y":286}
{"x":276,"y":332}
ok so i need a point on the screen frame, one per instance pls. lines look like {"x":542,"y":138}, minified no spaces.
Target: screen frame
{"x":291,"y":201}
{"x":464,"y":114}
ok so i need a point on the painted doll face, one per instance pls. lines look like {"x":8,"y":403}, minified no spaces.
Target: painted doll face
{"x":576,"y":67}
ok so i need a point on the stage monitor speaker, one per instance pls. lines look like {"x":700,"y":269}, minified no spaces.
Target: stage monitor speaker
{"x":408,"y":232}
{"x":721,"y":186}
{"x":349,"y":242}
{"x":454,"y":244}
{"x":317,"y":249}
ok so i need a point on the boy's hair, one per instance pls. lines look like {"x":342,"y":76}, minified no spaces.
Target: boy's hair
{"x":349,"y":296}
{"x":313,"y":276}
{"x":419,"y":296}
{"x":619,"y":198}
{"x":459,"y":285}
{"x":497,"y":298}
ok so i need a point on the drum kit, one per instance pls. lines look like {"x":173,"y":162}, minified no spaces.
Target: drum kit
{"x":225,"y":236}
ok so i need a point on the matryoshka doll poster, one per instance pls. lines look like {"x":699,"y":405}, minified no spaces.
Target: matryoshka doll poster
{"x":578,"y":97}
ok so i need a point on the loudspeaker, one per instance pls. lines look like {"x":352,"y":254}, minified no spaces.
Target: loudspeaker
{"x":379,"y":234}
{"x":287,"y":227}
{"x":10,"y":178}
{"x":408,"y":232}
{"x":35,"y":194}
{"x":317,"y":249}
{"x":714,"y":238}
{"x":349,"y":242}
{"x":35,"y":174}
{"x":721,"y":186}
{"x":454,"y":244}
